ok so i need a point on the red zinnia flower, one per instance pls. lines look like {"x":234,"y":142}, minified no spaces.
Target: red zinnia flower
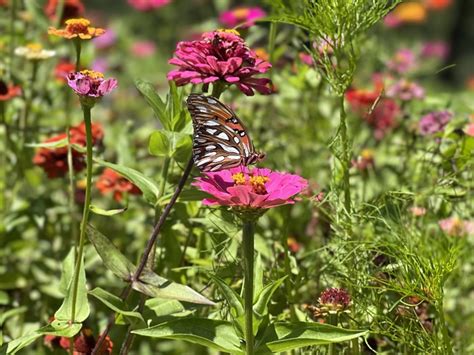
{"x":110,"y":181}
{"x":71,"y":9}
{"x":62,"y":70}
{"x":54,"y":160}
{"x":220,"y":56}
{"x":8,"y":92}
{"x":84,"y":343}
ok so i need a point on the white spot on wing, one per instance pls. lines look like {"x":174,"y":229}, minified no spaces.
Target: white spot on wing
{"x":211,"y":131}
{"x":202,"y":108}
{"x":234,"y":157}
{"x":217,"y":167}
{"x":222,"y":135}
{"x":218,"y":159}
{"x":229,"y":149}
{"x":203,"y":161}
{"x":236,"y":140}
{"x":211,"y":123}
{"x":210,"y":147}
{"x":211,"y":101}
{"x":210,"y":154}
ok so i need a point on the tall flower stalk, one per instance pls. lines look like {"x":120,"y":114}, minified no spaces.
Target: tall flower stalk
{"x":90,"y":86}
{"x":248,"y":231}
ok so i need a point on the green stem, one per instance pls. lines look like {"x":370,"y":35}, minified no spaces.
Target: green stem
{"x":271,"y":44}
{"x":346,"y":156}
{"x":85,"y":214}
{"x":77,"y":46}
{"x":29,"y":101}
{"x":12,"y":37}
{"x":70,"y":166}
{"x":448,"y":349}
{"x":248,"y":260}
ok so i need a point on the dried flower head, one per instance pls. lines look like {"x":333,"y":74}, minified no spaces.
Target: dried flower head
{"x":111,"y":181}
{"x":220,"y":56}
{"x":77,"y":28}
{"x":34,"y":51}
{"x":331,"y":301}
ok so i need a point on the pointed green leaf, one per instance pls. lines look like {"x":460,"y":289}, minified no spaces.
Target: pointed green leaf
{"x":102,"y":212}
{"x":149,"y":188}
{"x":156,"y":286}
{"x":159,"y":144}
{"x":232,"y":298}
{"x":50,"y":145}
{"x":257,"y":276}
{"x":215,"y":334}
{"x":82,"y":309}
{"x":154,"y":100}
{"x":170,"y":144}
{"x":113,"y":259}
{"x":281,"y":337}
{"x":163,"y":307}
{"x":116,"y":304}
{"x":67,"y":271}
{"x":261,"y":303}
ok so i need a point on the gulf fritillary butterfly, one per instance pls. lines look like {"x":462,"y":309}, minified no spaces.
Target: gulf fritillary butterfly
{"x":220,"y":140}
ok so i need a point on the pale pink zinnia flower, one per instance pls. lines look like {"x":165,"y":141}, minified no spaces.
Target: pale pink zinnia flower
{"x":438,"y":49}
{"x":456,"y":227}
{"x":403,"y":61}
{"x":434,"y":122}
{"x":148,"y":5}
{"x":250,"y":188}
{"x":245,"y":16}
{"x":220,"y":56}
{"x":143,"y":49}
{"x":406,"y":90}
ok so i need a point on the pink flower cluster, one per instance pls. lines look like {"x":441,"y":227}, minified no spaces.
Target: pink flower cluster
{"x":250,"y":188}
{"x":434,"y":122}
{"x":148,"y":5}
{"x":456,"y":227}
{"x":220,"y":56}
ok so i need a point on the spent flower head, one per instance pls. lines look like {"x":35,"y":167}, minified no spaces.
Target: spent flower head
{"x":34,"y":51}
{"x":331,"y":301}
{"x":77,"y":28}
{"x":250,"y":191}
{"x":220,"y":56}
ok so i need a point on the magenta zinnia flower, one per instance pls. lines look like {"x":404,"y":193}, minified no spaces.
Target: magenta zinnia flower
{"x":241,"y":15}
{"x":406,"y":90}
{"x":220,"y":56}
{"x":434,"y":122}
{"x":403,"y":61}
{"x":148,"y":5}
{"x":250,"y":189}
{"x":88,"y":83}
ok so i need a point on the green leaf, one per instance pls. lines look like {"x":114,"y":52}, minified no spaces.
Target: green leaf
{"x":163,"y":307}
{"x":232,"y":298}
{"x":11,"y":313}
{"x":215,"y":334}
{"x":67,"y":271}
{"x":102,"y":212}
{"x":58,"y":328}
{"x":281,"y":337}
{"x":50,"y":145}
{"x":150,"y":283}
{"x":262,"y":300}
{"x":156,"y":286}
{"x":113,"y":259}
{"x":156,"y":103}
{"x":149,"y":188}
{"x":170,"y":144}
{"x":82,"y":309}
{"x":116,"y":304}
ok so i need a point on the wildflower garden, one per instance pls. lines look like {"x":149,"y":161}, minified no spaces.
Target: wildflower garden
{"x":243,"y":177}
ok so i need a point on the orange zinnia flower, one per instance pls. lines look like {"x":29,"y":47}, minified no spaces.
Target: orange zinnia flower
{"x":410,"y":12}
{"x":77,"y":28}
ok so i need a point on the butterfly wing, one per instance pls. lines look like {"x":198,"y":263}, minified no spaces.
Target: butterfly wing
{"x":220,"y":140}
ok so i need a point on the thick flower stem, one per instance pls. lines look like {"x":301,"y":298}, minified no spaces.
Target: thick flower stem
{"x":346,"y":156}
{"x":70,"y":166}
{"x":248,"y":260}
{"x":12,"y":37}
{"x":85,"y":214}
{"x":77,"y":46}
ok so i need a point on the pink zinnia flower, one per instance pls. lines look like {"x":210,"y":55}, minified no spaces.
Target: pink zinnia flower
{"x":434,"y":122}
{"x":220,"y":56}
{"x":250,"y":189}
{"x":306,"y":58}
{"x":143,"y":49}
{"x":403,"y":61}
{"x":148,"y":5}
{"x":406,"y":90}
{"x":438,"y":49}
{"x":241,"y":15}
{"x":456,"y":227}
{"x":107,"y":40}
{"x":418,"y":211}
{"x":469,"y":129}
{"x":91,"y":84}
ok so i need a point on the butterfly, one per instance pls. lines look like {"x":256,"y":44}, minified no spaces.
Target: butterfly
{"x":220,"y":140}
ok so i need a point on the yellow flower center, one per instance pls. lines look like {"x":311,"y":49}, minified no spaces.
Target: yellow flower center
{"x":367,"y":154}
{"x":228,"y":31}
{"x":77,"y":25}
{"x":34,"y":47}
{"x":239,"y":179}
{"x":241,"y":13}
{"x":92,"y":74}
{"x":258,"y":184}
